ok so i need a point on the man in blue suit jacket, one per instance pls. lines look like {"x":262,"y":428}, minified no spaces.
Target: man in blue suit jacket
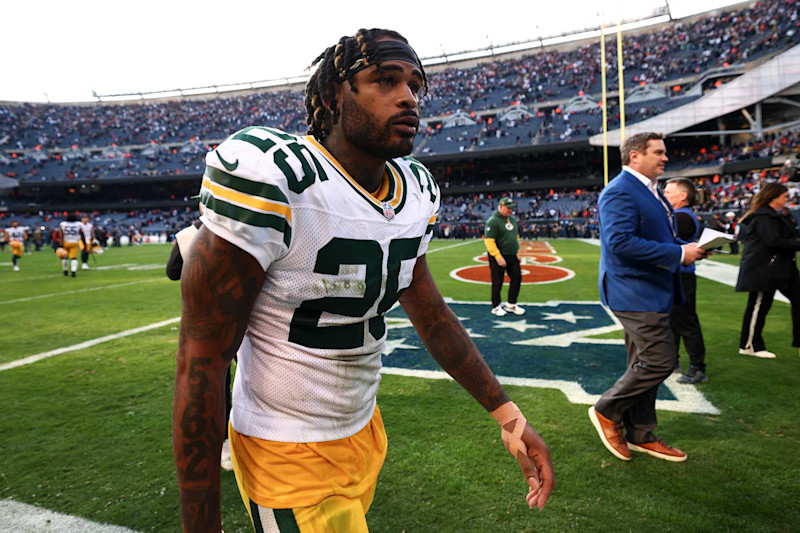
{"x":640,"y":281}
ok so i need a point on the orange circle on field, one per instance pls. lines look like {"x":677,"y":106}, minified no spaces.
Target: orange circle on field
{"x":540,"y":258}
{"x":543,"y":247}
{"x":531,"y":274}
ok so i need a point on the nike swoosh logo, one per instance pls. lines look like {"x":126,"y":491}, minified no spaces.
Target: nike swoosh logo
{"x":230,"y":167}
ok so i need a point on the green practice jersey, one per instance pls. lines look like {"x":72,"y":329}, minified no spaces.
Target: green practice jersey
{"x":504,"y":231}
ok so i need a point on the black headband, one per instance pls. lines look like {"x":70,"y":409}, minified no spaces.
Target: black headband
{"x":388,"y":51}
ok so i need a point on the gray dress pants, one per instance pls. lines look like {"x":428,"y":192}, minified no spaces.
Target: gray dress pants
{"x":651,"y":359}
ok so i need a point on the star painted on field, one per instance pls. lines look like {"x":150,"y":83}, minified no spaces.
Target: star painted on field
{"x":401,"y":323}
{"x":474,"y":335}
{"x":569,"y":316}
{"x":518,"y":325}
{"x":396,"y":344}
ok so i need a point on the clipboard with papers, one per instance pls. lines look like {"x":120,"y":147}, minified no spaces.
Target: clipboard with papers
{"x":711,"y":239}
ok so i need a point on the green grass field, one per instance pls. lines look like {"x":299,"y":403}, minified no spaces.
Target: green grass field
{"x":87,"y":432}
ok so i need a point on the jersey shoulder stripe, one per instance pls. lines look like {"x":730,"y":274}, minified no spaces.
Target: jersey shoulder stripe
{"x":246,"y":186}
{"x":269,"y":201}
{"x":253,"y":218}
{"x":240,"y":184}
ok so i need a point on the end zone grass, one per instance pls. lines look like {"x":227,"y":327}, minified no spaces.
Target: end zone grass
{"x":88,"y":432}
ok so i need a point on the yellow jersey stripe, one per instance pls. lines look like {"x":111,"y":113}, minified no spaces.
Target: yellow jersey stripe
{"x":245,"y":199}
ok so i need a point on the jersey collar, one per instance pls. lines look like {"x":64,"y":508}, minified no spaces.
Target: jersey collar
{"x":392,"y":190}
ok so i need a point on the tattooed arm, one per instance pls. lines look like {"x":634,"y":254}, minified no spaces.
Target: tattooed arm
{"x":219,"y":286}
{"x":446,"y":339}
{"x":449,"y":343}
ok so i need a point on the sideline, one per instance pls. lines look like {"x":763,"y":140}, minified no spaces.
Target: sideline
{"x":77,"y":291}
{"x":710,"y":269}
{"x":44,"y":355}
{"x":21,"y":517}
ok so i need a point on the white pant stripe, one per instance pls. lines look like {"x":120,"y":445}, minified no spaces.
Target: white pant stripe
{"x":753,"y":319}
{"x":267,"y":518}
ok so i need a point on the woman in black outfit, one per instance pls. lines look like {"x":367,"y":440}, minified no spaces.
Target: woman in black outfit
{"x":768,"y":264}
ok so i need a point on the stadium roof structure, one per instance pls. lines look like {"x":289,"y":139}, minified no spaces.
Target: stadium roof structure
{"x":8,"y":183}
{"x":766,"y":80}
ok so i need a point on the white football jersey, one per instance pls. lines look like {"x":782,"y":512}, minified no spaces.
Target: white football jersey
{"x":336,"y":260}
{"x":87,"y":230}
{"x":71,"y":231}
{"x":16,"y":234}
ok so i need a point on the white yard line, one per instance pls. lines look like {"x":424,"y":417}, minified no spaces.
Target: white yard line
{"x":23,"y":518}
{"x":44,"y":355}
{"x":689,"y":399}
{"x":725,"y":274}
{"x":77,"y":291}
{"x":13,"y":279}
{"x":452,"y":246}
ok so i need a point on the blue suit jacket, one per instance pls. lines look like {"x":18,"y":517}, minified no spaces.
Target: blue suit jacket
{"x":640,"y":257}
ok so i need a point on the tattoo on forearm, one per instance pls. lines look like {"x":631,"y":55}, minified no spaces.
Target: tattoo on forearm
{"x":219,"y":286}
{"x":225,"y":289}
{"x":193,"y":421}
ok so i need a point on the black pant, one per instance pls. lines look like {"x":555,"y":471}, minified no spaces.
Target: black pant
{"x":685,"y":324}
{"x":755,"y":314}
{"x":498,"y":275}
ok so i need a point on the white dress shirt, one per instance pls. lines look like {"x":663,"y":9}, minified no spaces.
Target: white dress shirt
{"x":652,"y":186}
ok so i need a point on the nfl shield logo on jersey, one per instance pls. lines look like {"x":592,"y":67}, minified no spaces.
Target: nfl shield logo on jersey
{"x":388,"y":210}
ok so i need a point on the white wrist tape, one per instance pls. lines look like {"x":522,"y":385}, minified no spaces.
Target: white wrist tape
{"x":509,"y":412}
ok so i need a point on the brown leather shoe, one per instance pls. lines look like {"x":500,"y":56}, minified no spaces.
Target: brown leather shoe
{"x":611,"y":435}
{"x":660,"y":450}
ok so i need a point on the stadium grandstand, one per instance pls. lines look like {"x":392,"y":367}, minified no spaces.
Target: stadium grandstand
{"x":724,"y":86}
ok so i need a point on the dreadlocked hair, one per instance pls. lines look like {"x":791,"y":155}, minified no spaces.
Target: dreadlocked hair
{"x":335,"y":66}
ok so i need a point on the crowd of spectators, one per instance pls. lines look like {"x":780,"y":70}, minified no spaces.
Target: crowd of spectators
{"x":654,"y":57}
{"x":733,"y":192}
{"x":60,"y":126}
{"x":773,"y":144}
{"x":670,"y":52}
{"x":536,"y":205}
{"x":116,"y":164}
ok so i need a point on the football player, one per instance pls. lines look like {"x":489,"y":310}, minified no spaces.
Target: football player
{"x":16,"y":238}
{"x":307,"y":241}
{"x":70,"y":234}
{"x":87,"y":241}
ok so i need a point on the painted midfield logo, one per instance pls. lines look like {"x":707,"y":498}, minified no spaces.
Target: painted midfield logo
{"x":551,"y":346}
